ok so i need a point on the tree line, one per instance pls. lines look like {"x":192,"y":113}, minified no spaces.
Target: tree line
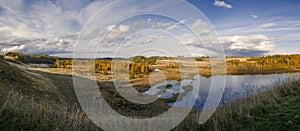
{"x":31,"y":58}
{"x":275,"y":62}
{"x":106,"y":67}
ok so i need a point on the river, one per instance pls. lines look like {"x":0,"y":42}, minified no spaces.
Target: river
{"x":236,"y":87}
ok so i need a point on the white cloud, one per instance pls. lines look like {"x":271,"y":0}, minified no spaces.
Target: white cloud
{"x":115,"y":32}
{"x":13,"y":49}
{"x":254,"y":16}
{"x":123,"y":28}
{"x":173,"y":27}
{"x":266,"y":25}
{"x":47,"y":18}
{"x":276,"y":27}
{"x":43,"y":26}
{"x":189,"y":41}
{"x":222,"y":4}
{"x":47,"y":26}
{"x":176,"y":25}
{"x":38,"y":46}
{"x":251,"y":45}
{"x":110,"y":28}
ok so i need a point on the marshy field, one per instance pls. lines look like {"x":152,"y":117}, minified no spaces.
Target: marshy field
{"x":261,"y":93}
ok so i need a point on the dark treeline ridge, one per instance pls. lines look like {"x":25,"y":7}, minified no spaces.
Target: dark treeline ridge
{"x":150,"y":61}
{"x":31,"y":58}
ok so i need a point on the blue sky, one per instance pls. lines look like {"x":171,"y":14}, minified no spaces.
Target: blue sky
{"x":256,"y":27}
{"x":243,"y":9}
{"x":282,"y":16}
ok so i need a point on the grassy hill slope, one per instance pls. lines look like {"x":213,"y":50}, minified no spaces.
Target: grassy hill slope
{"x":32,"y":100}
{"x":284,"y":114}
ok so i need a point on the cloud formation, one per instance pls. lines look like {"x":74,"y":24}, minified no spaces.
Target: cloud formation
{"x":38,"y":46}
{"x":222,"y":4}
{"x":51,"y":27}
{"x":43,"y":26}
{"x":253,"y":45}
{"x":13,"y":48}
{"x":283,"y":31}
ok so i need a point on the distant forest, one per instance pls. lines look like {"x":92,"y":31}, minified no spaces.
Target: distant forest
{"x":31,"y":58}
{"x":265,"y":64}
{"x":142,"y":65}
{"x":235,"y":65}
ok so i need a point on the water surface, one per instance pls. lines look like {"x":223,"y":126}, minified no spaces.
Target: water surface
{"x":236,"y":87}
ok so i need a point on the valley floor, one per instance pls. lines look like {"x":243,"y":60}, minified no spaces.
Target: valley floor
{"x":45,"y":100}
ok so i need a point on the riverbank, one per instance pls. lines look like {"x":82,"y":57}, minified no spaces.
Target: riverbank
{"x":274,"y":109}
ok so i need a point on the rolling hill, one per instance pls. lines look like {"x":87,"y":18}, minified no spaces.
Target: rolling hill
{"x":32,"y":100}
{"x":35,"y":100}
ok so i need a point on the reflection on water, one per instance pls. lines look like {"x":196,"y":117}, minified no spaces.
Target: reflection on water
{"x":236,"y":87}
